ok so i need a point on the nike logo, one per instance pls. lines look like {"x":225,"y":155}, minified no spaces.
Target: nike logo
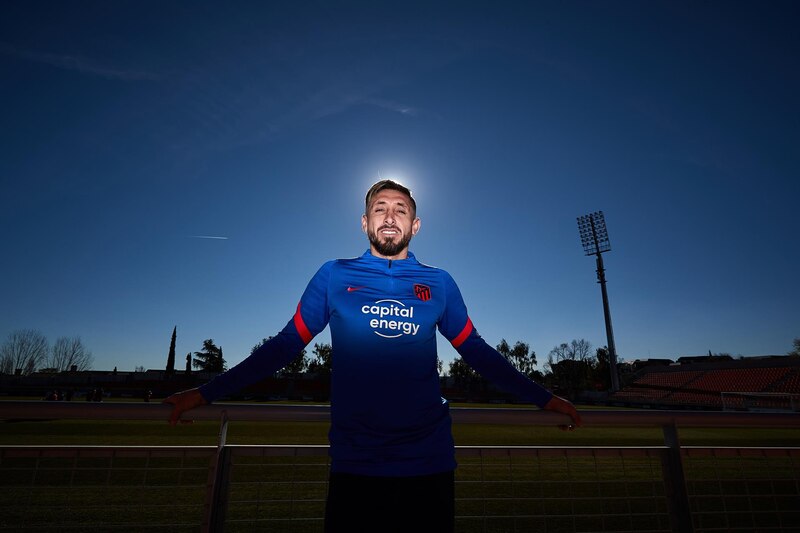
{"x":353,"y":289}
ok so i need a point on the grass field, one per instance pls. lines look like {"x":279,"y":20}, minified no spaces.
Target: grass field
{"x":148,"y":433}
{"x":507,"y":490}
{"x":151,"y":433}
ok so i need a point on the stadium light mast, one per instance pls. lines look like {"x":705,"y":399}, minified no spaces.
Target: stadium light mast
{"x":594,"y":239}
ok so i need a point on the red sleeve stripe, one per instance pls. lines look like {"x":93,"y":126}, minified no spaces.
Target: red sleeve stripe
{"x":302,"y":329}
{"x":463,"y":335}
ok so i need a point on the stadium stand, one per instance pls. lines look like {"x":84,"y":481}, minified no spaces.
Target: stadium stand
{"x":769,"y":383}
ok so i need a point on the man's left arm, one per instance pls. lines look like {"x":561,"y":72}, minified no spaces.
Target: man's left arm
{"x":491,"y":364}
{"x":457,"y":327}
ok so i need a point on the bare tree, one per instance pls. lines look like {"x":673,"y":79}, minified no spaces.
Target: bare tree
{"x":68,"y":352}
{"x":24,"y":351}
{"x":577,"y":350}
{"x":570,"y":365}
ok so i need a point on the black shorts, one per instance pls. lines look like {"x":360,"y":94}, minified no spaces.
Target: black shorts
{"x":370,"y":504}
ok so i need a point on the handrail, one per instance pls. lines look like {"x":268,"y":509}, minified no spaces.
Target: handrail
{"x":40,"y":410}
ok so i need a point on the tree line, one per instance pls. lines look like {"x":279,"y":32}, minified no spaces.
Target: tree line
{"x":570,"y":367}
{"x":210,"y":359}
{"x":27,"y":350}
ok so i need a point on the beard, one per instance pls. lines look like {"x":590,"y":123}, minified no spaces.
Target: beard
{"x":388,"y":247}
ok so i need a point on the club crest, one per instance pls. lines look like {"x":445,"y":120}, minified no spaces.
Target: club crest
{"x":423,"y":292}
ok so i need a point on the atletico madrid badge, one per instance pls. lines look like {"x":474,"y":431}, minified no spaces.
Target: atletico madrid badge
{"x":423,"y":292}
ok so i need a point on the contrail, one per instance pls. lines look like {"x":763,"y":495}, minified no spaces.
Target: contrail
{"x":208,"y":237}
{"x":77,"y":63}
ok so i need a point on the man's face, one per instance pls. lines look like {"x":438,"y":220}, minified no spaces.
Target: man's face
{"x":389,"y":223}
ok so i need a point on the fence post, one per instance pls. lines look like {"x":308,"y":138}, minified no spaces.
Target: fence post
{"x":680,"y":516}
{"x":219,"y":478}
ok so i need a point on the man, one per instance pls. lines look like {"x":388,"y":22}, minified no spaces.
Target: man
{"x":391,"y":446}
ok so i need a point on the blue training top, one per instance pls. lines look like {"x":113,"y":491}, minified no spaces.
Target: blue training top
{"x":387,"y":414}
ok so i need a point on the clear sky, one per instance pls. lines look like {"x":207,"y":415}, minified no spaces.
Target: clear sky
{"x":132,"y":131}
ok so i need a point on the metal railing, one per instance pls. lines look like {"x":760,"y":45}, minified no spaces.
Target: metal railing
{"x":667,"y":487}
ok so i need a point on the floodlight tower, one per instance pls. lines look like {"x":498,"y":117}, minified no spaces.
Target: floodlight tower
{"x":594,"y":238}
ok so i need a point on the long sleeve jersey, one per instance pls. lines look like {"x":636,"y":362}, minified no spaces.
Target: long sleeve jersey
{"x":387,"y":414}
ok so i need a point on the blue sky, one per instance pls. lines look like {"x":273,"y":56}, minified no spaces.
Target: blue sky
{"x":130,"y":130}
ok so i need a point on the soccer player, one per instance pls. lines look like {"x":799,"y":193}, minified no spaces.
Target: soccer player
{"x":391,"y":445}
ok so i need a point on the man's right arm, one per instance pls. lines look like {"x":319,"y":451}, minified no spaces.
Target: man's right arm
{"x":310,"y":318}
{"x":270,"y":357}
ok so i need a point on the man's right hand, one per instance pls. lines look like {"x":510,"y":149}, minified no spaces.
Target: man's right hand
{"x":183,"y":401}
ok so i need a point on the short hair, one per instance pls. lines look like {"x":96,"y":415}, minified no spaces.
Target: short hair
{"x":393,"y":186}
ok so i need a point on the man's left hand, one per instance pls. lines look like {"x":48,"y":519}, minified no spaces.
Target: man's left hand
{"x":560,"y":405}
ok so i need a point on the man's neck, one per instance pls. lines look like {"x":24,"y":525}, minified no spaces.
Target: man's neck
{"x":402,"y":254}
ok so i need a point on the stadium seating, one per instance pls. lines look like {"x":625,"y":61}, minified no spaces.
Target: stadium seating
{"x":746,"y":385}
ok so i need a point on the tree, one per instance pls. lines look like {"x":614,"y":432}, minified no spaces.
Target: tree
{"x":24,"y":351}
{"x":209,"y":359}
{"x":171,"y":354}
{"x":297,"y":365}
{"x":576,"y":350}
{"x":69,"y":352}
{"x":521,"y":357}
{"x":796,"y":351}
{"x":258,"y":345}
{"x":601,"y":373}
{"x":464,"y":376}
{"x":570,"y":366}
{"x":322,"y":362}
